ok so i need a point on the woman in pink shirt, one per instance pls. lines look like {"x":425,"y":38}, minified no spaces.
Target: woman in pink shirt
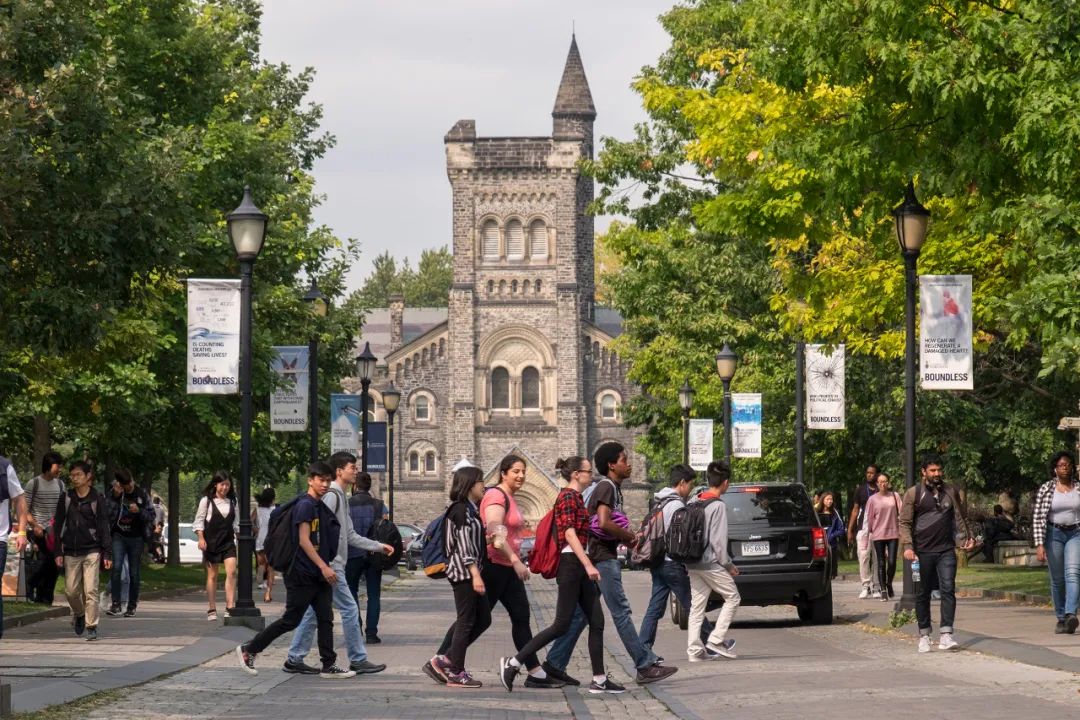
{"x":883,"y":521}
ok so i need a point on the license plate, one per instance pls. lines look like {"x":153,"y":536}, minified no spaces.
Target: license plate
{"x":750,"y":549}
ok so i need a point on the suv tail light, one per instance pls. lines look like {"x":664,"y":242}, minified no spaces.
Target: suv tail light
{"x":820,"y":548}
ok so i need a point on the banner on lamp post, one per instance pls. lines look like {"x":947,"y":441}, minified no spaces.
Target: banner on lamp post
{"x":213,"y":327}
{"x":825,"y":388}
{"x":945,"y":323}
{"x":746,"y":425}
{"x":701,"y":443}
{"x":376,"y":446}
{"x":345,"y":424}
{"x":289,"y":400}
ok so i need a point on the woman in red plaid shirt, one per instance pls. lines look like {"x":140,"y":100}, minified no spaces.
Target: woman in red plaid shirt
{"x":577,"y":579}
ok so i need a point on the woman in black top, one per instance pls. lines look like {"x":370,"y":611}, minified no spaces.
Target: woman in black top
{"x":217,"y":524}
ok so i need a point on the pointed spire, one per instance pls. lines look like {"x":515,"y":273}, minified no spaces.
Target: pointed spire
{"x":574,"y":98}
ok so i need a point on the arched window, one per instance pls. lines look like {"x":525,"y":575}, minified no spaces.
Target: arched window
{"x":414,"y":462}
{"x":491,"y":287}
{"x":490,"y":240}
{"x":502,"y":287}
{"x":429,"y":462}
{"x":608,"y":407}
{"x":500,"y":389}
{"x":513,"y":287}
{"x":530,"y":389}
{"x":422,"y":409}
{"x":515,"y":240}
{"x":537,"y":286}
{"x":538,"y":240}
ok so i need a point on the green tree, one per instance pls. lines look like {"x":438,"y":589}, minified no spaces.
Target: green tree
{"x":427,"y":286}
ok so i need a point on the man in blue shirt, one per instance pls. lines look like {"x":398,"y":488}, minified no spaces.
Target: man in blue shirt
{"x":365,"y":510}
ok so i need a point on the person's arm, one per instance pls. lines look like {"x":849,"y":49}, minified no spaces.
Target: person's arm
{"x":18,"y":505}
{"x":59,"y":516}
{"x":962,"y":520}
{"x":718,"y":536}
{"x":494,"y":515}
{"x":907,"y":515}
{"x":855,"y":507}
{"x":579,"y":552}
{"x":31,"y":494}
{"x":105,"y":533}
{"x":199,"y":524}
{"x":304,"y":532}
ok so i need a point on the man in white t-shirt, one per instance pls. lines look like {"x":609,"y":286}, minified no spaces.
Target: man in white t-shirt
{"x":12,"y":503}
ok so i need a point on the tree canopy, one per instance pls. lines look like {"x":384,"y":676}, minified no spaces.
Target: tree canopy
{"x":426,"y":286}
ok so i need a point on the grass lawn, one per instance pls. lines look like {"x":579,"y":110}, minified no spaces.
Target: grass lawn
{"x":981,"y":576}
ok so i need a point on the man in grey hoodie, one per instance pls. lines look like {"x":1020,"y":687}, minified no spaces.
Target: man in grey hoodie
{"x":670,"y":576}
{"x":715,"y":572}
{"x":344,"y":465}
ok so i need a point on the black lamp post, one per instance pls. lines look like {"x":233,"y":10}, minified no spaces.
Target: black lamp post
{"x":391,"y":398}
{"x":686,"y":401}
{"x":800,"y":411}
{"x":726,"y":363}
{"x":319,"y":307}
{"x":365,"y":368}
{"x":912,"y":220}
{"x":247,"y":230}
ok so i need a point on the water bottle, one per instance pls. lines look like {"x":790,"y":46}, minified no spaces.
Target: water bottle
{"x":915,"y":576}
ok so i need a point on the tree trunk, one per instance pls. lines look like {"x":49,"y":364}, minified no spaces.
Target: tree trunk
{"x":42,"y":440}
{"x":173,"y":519}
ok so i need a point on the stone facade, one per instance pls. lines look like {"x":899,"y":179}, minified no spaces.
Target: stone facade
{"x":521,"y":361}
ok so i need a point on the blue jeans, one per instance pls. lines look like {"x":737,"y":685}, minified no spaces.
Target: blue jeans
{"x":669,"y":578}
{"x":1063,"y":561}
{"x":126,"y":550}
{"x":3,"y":562}
{"x":942,"y":566}
{"x":350,"y":622}
{"x":362,"y":567}
{"x":611,"y":588}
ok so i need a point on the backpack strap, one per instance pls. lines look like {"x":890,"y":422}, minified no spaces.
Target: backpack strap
{"x":506,"y":498}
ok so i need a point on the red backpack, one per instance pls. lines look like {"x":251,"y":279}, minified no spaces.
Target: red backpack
{"x":544,"y":558}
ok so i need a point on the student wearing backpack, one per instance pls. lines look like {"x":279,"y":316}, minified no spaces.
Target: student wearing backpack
{"x":344,"y":467}
{"x":364,"y":510}
{"x":43,"y":492}
{"x":217,"y":523}
{"x":310,"y":580}
{"x":13,"y":517}
{"x":577,"y":579}
{"x":715,"y":572}
{"x":932,"y":519}
{"x":465,"y":546}
{"x":83,"y":544}
{"x":669,"y":576}
{"x":132,"y":516}
{"x":605,"y":504}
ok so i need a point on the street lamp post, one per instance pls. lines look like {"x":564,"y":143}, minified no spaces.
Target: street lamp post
{"x":365,"y":368}
{"x":686,"y":401}
{"x":247,"y":230}
{"x":319,"y":306}
{"x":800,"y":412}
{"x":912,"y":220}
{"x":726,"y":363}
{"x":391,"y":397}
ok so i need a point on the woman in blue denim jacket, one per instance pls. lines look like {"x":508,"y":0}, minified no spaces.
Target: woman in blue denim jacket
{"x":835,"y":529}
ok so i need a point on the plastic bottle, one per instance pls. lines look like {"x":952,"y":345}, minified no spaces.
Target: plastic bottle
{"x":915,"y":575}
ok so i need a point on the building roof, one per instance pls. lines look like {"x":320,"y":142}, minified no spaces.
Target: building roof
{"x":609,"y":320}
{"x":414,"y":323}
{"x":574,"y":97}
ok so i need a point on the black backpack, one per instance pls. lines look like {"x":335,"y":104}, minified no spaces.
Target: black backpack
{"x":281,"y":540}
{"x":386,"y":532}
{"x":686,"y":537}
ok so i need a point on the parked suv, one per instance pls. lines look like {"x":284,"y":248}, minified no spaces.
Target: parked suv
{"x":779,"y":546}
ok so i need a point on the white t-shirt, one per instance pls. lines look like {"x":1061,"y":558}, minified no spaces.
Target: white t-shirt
{"x":14,"y":490}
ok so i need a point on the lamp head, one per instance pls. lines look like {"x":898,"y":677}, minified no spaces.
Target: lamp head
{"x":247,"y":228}
{"x":912,"y":220}
{"x":391,"y":398}
{"x":686,"y":396}
{"x":316,"y":300}
{"x":365,"y":363}
{"x":726,"y":363}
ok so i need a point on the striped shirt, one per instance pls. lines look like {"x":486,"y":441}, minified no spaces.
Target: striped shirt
{"x":43,"y":495}
{"x":465,"y":542}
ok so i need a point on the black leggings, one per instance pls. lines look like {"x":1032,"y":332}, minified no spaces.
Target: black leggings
{"x":503,"y":585}
{"x":886,"y":566}
{"x":575,"y":590}
{"x":473,"y":618}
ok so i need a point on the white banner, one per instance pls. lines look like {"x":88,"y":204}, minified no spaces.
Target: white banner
{"x":345,"y":423}
{"x":746,"y":425}
{"x":824,"y":388}
{"x":701,"y":443}
{"x":945,"y":356}
{"x":289,"y":401}
{"x":213,"y":357}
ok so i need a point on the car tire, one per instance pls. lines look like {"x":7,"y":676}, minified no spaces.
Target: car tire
{"x":818,"y":611}
{"x":679,"y":615}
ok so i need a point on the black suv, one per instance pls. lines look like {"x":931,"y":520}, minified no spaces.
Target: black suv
{"x":779,"y":546}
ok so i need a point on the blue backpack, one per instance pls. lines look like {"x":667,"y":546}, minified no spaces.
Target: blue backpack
{"x":433,"y":549}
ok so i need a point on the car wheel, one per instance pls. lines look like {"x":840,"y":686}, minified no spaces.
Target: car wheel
{"x":818,"y":611}
{"x":679,"y":614}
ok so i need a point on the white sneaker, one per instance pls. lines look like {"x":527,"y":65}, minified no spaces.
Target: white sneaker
{"x":864,"y":594}
{"x":946,"y":642}
{"x":924,"y":644}
{"x":876,"y":594}
{"x":724,"y":649}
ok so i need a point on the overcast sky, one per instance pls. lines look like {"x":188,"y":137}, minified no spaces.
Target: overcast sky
{"x":394,"y":75}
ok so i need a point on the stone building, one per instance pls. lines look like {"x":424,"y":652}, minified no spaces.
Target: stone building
{"x":519,"y":360}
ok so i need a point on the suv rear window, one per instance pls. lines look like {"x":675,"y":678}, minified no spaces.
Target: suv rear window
{"x":776,"y":506}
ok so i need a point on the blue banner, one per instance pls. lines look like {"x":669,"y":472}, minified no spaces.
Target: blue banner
{"x":376,"y":446}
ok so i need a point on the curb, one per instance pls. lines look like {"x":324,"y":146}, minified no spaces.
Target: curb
{"x":30,"y":618}
{"x":1008,"y":596}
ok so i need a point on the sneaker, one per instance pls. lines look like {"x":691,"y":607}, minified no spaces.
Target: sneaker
{"x":946,"y":642}
{"x":864,"y":594}
{"x":1071,"y":623}
{"x":935,"y":594}
{"x":114,"y":610}
{"x":554,"y":672}
{"x":228,"y":612}
{"x":91,"y":633}
{"x":462,"y":680}
{"x":80,"y":624}
{"x":366,"y":668}
{"x":429,"y":670}
{"x":211,"y":615}
{"x":130,"y":611}
{"x":247,"y":660}
{"x":725,"y":649}
{"x":924,"y":644}
{"x":372,"y":639}
{"x":507,"y":673}
{"x":333,"y":672}
{"x":653,"y":673}
{"x":611,"y":687}
{"x":876,"y":595}
{"x":299,"y":668}
{"x":1059,"y":629}
{"x":546,"y":683}
{"x":440,"y":665}
{"x":703,"y":656}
